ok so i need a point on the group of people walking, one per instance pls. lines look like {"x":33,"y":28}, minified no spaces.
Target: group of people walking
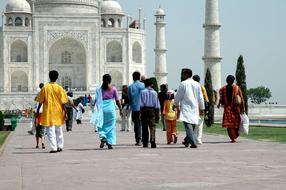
{"x":144,"y":105}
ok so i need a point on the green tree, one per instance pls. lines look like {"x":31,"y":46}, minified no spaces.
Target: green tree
{"x":241,"y":80}
{"x":209,"y":108}
{"x":259,"y":94}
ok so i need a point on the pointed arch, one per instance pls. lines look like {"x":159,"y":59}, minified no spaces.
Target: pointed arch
{"x":137,"y":52}
{"x":18,"y":21}
{"x":114,"y":51}
{"x":10,"y":21}
{"x":103,"y":23}
{"x":19,"y":81}
{"x":111,"y":22}
{"x":19,"y":51}
{"x":68,"y":57}
{"x":119,"y":23}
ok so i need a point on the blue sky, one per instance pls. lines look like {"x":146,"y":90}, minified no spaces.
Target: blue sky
{"x":254,"y":28}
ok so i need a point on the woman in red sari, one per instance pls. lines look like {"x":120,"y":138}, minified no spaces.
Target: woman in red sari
{"x":231,"y":99}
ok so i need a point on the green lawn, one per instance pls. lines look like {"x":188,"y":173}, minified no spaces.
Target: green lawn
{"x":256,"y":133}
{"x":3,"y":136}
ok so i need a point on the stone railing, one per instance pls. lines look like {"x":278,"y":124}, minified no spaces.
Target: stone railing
{"x":260,"y":112}
{"x":85,"y":2}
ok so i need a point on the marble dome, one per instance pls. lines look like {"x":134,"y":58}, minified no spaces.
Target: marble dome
{"x":111,"y":7}
{"x":160,"y":12}
{"x":66,"y":6}
{"x":18,"y":6}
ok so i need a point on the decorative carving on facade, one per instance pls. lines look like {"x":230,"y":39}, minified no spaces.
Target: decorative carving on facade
{"x":14,"y":39}
{"x":81,"y":36}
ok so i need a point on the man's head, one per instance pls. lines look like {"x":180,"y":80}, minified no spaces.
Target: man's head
{"x":70,"y":94}
{"x":196,"y":78}
{"x":230,"y":79}
{"x":125,"y":88}
{"x":163,"y":87}
{"x":53,"y":75}
{"x":41,"y":85}
{"x":186,"y":74}
{"x":136,"y":76}
{"x":148,"y":83}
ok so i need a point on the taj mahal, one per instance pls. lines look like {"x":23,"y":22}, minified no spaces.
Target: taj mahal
{"x":82,"y":40}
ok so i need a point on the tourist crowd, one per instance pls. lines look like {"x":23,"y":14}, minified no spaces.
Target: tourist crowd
{"x":139,"y":103}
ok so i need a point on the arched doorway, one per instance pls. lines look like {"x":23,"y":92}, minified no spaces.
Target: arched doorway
{"x":19,"y":81}
{"x":68,"y":57}
{"x":19,"y":51}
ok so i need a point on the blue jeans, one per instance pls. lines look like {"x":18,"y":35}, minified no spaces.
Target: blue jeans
{"x":190,"y":138}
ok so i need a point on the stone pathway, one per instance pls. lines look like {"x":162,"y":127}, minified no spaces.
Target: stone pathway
{"x":217,"y":164}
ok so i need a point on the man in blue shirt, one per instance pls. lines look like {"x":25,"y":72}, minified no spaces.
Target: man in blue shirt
{"x":134,"y":91}
{"x":149,"y":106}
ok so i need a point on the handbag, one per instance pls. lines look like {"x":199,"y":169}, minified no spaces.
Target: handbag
{"x":82,"y":110}
{"x":244,"y":124}
{"x":238,"y":99}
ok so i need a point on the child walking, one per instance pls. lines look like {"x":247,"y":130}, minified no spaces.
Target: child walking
{"x":40,"y":131}
{"x":170,"y":115}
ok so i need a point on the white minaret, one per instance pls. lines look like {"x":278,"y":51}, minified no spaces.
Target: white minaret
{"x":160,"y":49}
{"x":212,"y":55}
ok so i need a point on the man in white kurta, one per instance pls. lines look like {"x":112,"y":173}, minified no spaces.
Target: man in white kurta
{"x":189,"y":102}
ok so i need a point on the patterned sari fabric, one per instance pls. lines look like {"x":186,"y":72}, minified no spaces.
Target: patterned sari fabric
{"x":231,"y":114}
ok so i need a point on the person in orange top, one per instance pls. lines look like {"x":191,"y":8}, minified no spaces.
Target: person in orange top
{"x":53,"y":98}
{"x":170,"y":116}
{"x":232,"y":108}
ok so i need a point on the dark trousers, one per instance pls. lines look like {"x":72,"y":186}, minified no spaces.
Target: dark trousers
{"x":190,"y":137}
{"x":137,"y":126}
{"x":69,"y":120}
{"x":148,"y":116}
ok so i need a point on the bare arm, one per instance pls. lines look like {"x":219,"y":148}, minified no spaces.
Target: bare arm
{"x":119,"y":106}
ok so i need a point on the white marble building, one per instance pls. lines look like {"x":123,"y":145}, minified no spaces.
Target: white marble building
{"x":81,"y":39}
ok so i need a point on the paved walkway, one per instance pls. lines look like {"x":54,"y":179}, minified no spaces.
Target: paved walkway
{"x":216,"y":164}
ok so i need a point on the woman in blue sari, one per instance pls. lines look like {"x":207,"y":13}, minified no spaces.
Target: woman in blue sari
{"x":104,"y":115}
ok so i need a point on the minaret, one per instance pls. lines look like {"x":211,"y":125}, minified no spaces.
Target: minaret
{"x":160,"y":49}
{"x":212,"y":55}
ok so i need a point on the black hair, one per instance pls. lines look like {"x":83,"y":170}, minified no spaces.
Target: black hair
{"x":148,"y":82}
{"x":106,"y":80}
{"x":53,"y":75}
{"x":196,"y":78}
{"x":230,"y":79}
{"x":163,"y":87}
{"x":70,"y":94}
{"x":136,"y":75}
{"x":41,"y":85}
{"x":188,"y":72}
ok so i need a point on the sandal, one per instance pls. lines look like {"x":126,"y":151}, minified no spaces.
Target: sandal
{"x":103,"y":140}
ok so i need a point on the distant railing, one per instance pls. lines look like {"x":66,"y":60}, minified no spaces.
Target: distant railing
{"x":88,"y":2}
{"x":260,"y":111}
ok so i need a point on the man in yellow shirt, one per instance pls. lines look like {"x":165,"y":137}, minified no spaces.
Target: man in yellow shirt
{"x":53,"y":98}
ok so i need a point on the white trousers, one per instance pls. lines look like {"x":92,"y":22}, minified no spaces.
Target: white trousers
{"x":56,"y":137}
{"x":126,"y":120}
{"x":199,"y":131}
